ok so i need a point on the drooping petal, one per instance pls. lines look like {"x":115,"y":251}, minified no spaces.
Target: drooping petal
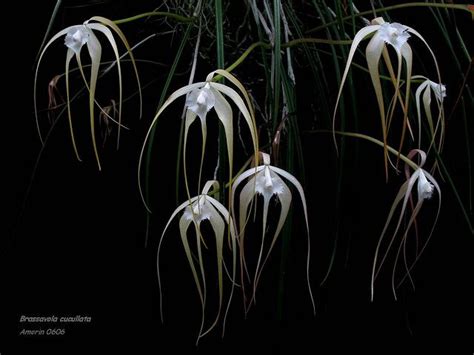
{"x":440,"y":122}
{"x":373,"y":53}
{"x":238,"y":84}
{"x":113,"y":44}
{"x":364,"y":32}
{"x":175,"y":95}
{"x":69,"y":55}
{"x":54,"y":38}
{"x":283,"y":193}
{"x":218,"y":226}
{"x":113,"y":26}
{"x":407,"y":55}
{"x":403,"y":194}
{"x":233,"y":235}
{"x":412,"y":218}
{"x":173,"y":215}
{"x":95,"y":52}
{"x":234,"y":96}
{"x":224,"y":113}
{"x":300,"y":190}
{"x":189,"y":119}
{"x":418,"y":92}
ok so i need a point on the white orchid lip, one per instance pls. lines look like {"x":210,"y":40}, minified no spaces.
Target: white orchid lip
{"x":201,"y":101}
{"x":199,"y":210}
{"x":394,"y":34}
{"x":76,"y":38}
{"x":425,"y":188}
{"x":267,"y":183}
{"x":439,"y":89}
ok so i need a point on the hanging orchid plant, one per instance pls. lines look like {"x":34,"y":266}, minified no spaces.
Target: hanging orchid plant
{"x":386,"y":34}
{"x":265,"y":192}
{"x":75,"y":38}
{"x":265,"y":180}
{"x":195,"y":211}
{"x":425,"y":187}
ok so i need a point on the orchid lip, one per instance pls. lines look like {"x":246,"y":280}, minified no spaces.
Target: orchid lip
{"x":76,"y":38}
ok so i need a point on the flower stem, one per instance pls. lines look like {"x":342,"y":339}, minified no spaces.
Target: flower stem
{"x":370,"y":139}
{"x":176,"y":17}
{"x":467,"y":8}
{"x":222,"y":161}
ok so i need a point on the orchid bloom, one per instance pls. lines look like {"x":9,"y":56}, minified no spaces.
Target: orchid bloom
{"x":425,"y":91}
{"x":265,"y":180}
{"x":425,"y":186}
{"x":198,"y":209}
{"x":201,"y":98}
{"x":76,"y":37}
{"x":396,"y":36}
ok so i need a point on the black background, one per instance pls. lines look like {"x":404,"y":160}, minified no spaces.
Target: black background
{"x":78,"y":246}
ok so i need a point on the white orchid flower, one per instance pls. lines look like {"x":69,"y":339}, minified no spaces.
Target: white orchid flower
{"x":198,"y":209}
{"x":425,"y":91}
{"x":201,"y":101}
{"x":425,"y":186}
{"x":396,"y":36}
{"x":202,"y":97}
{"x":76,"y":37}
{"x":265,"y":180}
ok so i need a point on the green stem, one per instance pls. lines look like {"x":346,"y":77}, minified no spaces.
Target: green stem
{"x":467,"y":8}
{"x":316,"y":40}
{"x":276,"y":62}
{"x":50,"y":26}
{"x":370,"y":139}
{"x":266,"y":45}
{"x":220,"y":64}
{"x":176,"y":17}
{"x":244,"y":55}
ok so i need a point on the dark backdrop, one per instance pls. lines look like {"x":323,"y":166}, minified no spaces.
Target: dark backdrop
{"x":76,"y":245}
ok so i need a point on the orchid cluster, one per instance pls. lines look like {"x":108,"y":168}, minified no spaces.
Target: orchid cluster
{"x":263,"y":182}
{"x":396,"y":35}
